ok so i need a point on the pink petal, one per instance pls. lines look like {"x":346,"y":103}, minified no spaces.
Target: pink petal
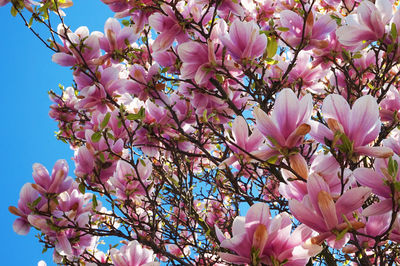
{"x":336,"y":107}
{"x":379,"y":208}
{"x":267,"y":127}
{"x":257,"y":214}
{"x":364,"y":117}
{"x":370,"y":178}
{"x":306,"y":215}
{"x":286,"y":105}
{"x":351,"y":200}
{"x":63,"y":59}
{"x":21,"y":226}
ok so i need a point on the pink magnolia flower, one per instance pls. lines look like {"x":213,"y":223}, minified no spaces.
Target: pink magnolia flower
{"x":200,"y":67}
{"x":289,"y":121}
{"x":324,"y":166}
{"x":133,"y":254}
{"x":130,"y":182}
{"x":316,"y":29}
{"x":140,"y":80}
{"x":56,"y":183}
{"x":243,"y":143}
{"x":116,"y":38}
{"x":95,"y":96}
{"x":393,"y":141}
{"x":367,"y":25}
{"x":320,"y":212}
{"x":80,"y":47}
{"x":306,"y":73}
{"x":374,"y":226}
{"x":26,"y":197}
{"x":258,"y":238}
{"x":169,"y":28}
{"x":390,"y":105}
{"x":77,"y":208}
{"x":244,"y":41}
{"x":380,"y":181}
{"x":360,"y":124}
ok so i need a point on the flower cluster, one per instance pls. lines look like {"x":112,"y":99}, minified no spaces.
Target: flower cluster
{"x":191,"y":112}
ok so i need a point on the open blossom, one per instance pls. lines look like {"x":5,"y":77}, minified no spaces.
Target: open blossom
{"x":26,"y":197}
{"x":87,"y":45}
{"x":56,"y":183}
{"x":130,"y":182}
{"x":325,"y":166}
{"x":316,"y":30}
{"x":169,"y":28}
{"x":200,"y":67}
{"x":380,"y":181}
{"x":243,"y":143}
{"x":390,"y":105}
{"x":360,"y":124}
{"x":116,"y":38}
{"x":320,"y":212}
{"x":366,"y":25}
{"x":289,"y":121}
{"x":259,"y":238}
{"x":133,"y":254}
{"x":244,"y":40}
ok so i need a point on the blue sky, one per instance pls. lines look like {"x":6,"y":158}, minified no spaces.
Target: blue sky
{"x":26,"y":130}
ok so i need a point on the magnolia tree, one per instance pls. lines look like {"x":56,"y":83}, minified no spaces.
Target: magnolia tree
{"x":257,"y":132}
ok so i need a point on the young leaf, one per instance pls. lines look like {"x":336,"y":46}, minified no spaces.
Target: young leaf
{"x":105,"y":120}
{"x":96,"y":136}
{"x":272,"y":47}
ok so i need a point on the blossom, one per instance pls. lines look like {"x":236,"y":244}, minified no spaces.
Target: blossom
{"x":56,"y":183}
{"x":288,"y":123}
{"x":360,"y":124}
{"x":320,"y":212}
{"x":200,"y":67}
{"x":315,"y":30}
{"x":130,"y":182}
{"x":244,"y":40}
{"x":260,"y":238}
{"x":169,"y":29}
{"x":380,"y":181}
{"x":116,"y":38}
{"x":243,"y":143}
{"x":367,"y":25}
{"x":133,"y":254}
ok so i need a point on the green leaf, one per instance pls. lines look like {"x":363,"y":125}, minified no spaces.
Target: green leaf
{"x":125,"y":22}
{"x":205,"y":118}
{"x":105,"y":120}
{"x":282,"y":29}
{"x":139,"y":116}
{"x":272,"y":47}
{"x":393,"y":167}
{"x":82,"y":188}
{"x":101,"y":156}
{"x":345,"y":54}
{"x":96,"y":136}
{"x":347,"y":145}
{"x":14,"y":11}
{"x":393,"y":31}
{"x":342,"y":233}
{"x":36,"y":202}
{"x":337,"y":19}
{"x":30,"y":22}
{"x":396,"y":186}
{"x":94,"y":201}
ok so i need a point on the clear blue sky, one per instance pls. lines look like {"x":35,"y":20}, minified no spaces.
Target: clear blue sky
{"x":26,"y":130}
